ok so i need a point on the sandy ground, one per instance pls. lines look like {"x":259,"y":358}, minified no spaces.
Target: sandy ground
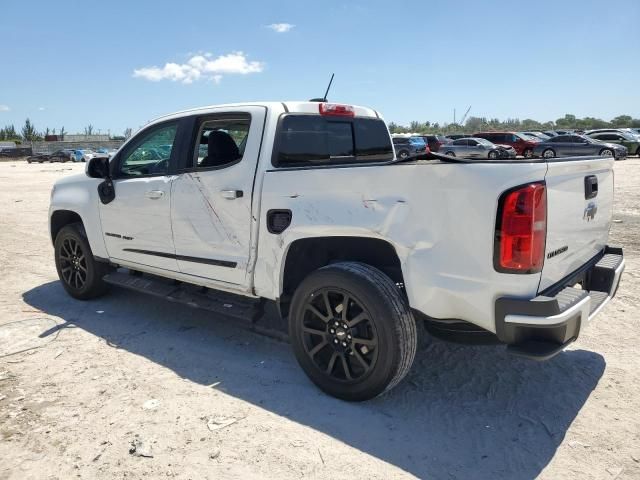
{"x":200,"y":397}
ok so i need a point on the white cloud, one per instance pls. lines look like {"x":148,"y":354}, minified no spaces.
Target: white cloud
{"x":41,"y":109}
{"x":201,"y":66}
{"x":280,"y":27}
{"x":4,"y":108}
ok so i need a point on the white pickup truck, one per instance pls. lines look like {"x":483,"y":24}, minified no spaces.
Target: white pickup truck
{"x":305,"y":204}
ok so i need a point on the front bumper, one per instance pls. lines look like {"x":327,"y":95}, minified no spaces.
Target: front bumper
{"x":543,"y":326}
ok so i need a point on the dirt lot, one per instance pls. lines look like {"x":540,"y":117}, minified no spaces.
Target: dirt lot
{"x":199,"y":397}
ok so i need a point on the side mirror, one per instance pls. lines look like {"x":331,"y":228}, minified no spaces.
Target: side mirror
{"x":98,"y":167}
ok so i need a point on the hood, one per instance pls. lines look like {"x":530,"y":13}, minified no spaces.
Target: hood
{"x":71,"y":179}
{"x":505,"y":147}
{"x":615,"y":146}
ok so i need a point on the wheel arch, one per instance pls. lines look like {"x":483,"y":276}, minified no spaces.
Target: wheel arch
{"x":306,"y":255}
{"x":60,"y":219}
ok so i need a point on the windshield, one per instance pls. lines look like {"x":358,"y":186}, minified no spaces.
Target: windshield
{"x":539,"y":135}
{"x":483,"y":141}
{"x":529,"y":138}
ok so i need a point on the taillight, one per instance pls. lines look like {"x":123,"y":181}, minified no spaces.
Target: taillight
{"x":336,"y":110}
{"x":521,"y":229}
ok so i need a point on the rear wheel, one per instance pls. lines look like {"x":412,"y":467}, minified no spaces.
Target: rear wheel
{"x":549,"y":153}
{"x":528,"y":153}
{"x":80,"y":274}
{"x":352,"y":331}
{"x":450,"y":153}
{"x":403,"y":154}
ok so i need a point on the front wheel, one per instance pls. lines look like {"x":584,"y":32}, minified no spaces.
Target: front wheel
{"x":80,"y":274}
{"x":493,"y":154}
{"x":548,"y":153}
{"x":528,"y":153}
{"x":606,"y":152}
{"x":451,"y":154}
{"x":403,"y":154}
{"x":352,"y":331}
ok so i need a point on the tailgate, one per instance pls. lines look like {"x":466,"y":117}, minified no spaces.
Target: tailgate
{"x":577,"y":227}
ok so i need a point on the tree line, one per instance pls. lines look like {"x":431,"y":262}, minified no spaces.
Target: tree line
{"x":474,"y":124}
{"x":29,"y":133}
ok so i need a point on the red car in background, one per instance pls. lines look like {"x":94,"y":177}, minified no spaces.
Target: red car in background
{"x":523,"y":145}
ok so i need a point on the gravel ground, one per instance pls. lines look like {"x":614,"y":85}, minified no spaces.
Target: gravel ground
{"x":128,"y":386}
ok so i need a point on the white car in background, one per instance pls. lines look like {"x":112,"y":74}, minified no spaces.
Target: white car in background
{"x":88,"y":155}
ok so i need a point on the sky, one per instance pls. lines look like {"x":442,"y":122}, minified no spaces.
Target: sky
{"x":119,"y":64}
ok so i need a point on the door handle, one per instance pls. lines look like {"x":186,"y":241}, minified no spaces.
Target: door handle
{"x":232,"y":194}
{"x":154,"y":194}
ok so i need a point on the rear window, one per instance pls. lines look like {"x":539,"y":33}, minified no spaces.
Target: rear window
{"x":306,"y":140}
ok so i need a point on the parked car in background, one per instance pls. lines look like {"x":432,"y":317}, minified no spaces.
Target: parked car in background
{"x":536,"y":134}
{"x":457,"y":136}
{"x":577,"y":145}
{"x":551,"y":133}
{"x":522,"y":145}
{"x":473,"y":148}
{"x":435,"y":142}
{"x":64,"y":155}
{"x":407,"y":146}
{"x":631,"y":142}
{"x":38,"y":157}
{"x":626,"y":131}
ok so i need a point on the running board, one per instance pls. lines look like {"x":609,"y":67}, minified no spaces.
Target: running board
{"x":249,"y":310}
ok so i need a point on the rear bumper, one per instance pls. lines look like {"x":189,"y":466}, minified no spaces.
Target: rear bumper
{"x":543,"y":326}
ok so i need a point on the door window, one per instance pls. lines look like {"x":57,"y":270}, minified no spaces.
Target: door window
{"x":151,"y":154}
{"x":222,"y":141}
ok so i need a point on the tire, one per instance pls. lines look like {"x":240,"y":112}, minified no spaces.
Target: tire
{"x":606,"y":152}
{"x":328,"y":342}
{"x":451,"y":154}
{"x":494,"y":154}
{"x":638,"y":152}
{"x":549,"y":153}
{"x":403,"y":154}
{"x":527,"y":153}
{"x":80,"y":274}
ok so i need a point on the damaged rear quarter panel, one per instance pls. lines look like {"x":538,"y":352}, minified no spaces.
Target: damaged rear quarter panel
{"x":439,"y":217}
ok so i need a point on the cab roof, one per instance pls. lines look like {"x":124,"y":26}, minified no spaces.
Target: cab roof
{"x":290,"y":106}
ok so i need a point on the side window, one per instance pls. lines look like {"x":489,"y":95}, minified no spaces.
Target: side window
{"x":150,"y":155}
{"x":459,"y":142}
{"x":221,"y":141}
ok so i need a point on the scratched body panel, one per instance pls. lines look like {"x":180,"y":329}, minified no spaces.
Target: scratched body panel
{"x":210,"y":227}
{"x":439,"y":217}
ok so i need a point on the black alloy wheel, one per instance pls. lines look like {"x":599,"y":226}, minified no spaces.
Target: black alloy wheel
{"x":80,"y":273}
{"x":340,"y":338}
{"x":352,"y":330}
